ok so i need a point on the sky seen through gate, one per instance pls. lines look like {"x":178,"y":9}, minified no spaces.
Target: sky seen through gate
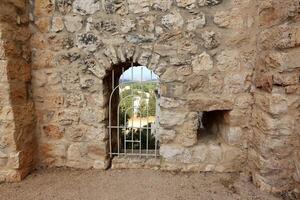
{"x":139,"y":73}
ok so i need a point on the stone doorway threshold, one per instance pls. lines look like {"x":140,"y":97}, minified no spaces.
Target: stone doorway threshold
{"x":135,"y":162}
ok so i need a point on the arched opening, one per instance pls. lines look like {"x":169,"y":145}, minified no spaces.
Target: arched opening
{"x":133,"y":111}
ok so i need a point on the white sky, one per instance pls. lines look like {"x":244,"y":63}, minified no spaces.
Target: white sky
{"x":139,"y":73}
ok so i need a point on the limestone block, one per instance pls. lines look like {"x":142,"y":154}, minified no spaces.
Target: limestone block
{"x":289,"y":38}
{"x":228,"y":60}
{"x":92,"y":116}
{"x":189,"y":4}
{"x":296,"y":175}
{"x":57,"y":24}
{"x":102,"y":61}
{"x":166,"y":136}
{"x":200,"y":153}
{"x":76,"y":156}
{"x":209,"y":2}
{"x":187,"y":137}
{"x":73,"y":23}
{"x":145,"y":57}
{"x":3,"y":159}
{"x":70,"y":79}
{"x":14,"y":160}
{"x":85,"y":7}
{"x":68,"y":117}
{"x":162,"y":5}
{"x":216,"y":83}
{"x":90,"y":82}
{"x":172,"y":20}
{"x":170,"y":102}
{"x":76,"y":133}
{"x":99,"y":133}
{"x":101,"y":164}
{"x":229,"y":19}
{"x":113,"y":6}
{"x":244,"y":101}
{"x":75,"y":99}
{"x":64,"y":6}
{"x":172,"y":118}
{"x":88,"y":41}
{"x":210,"y":39}
{"x":52,"y":131}
{"x":52,"y":154}
{"x":44,"y":8}
{"x":232,"y":135}
{"x":43,"y":24}
{"x":196,"y":22}
{"x":97,"y":151}
{"x":111,"y":53}
{"x":237,"y":83}
{"x":43,"y":59}
{"x":93,"y":67}
{"x":214,"y":154}
{"x":170,"y":152}
{"x":274,"y":126}
{"x":202,"y":62}
{"x":233,"y":155}
{"x":127,"y":25}
{"x":141,"y":6}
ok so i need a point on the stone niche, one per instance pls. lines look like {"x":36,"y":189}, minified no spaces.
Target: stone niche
{"x":229,"y":82}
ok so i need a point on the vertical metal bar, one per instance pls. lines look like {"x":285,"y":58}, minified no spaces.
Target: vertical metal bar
{"x":132,"y":108}
{"x":125,"y":125}
{"x":141,"y":112}
{"x":147,"y":137}
{"x":118,"y":129}
{"x":109,"y":130}
{"x":113,"y":80}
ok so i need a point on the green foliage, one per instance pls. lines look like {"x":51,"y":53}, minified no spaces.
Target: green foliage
{"x":135,"y":135}
{"x":144,"y":91}
{"x":141,"y":90}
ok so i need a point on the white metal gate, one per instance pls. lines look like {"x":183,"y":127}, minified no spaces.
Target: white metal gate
{"x":132,"y":130}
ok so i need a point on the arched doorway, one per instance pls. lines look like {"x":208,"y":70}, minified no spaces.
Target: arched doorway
{"x":133,"y":112}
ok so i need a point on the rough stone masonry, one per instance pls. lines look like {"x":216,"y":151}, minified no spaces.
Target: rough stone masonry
{"x":236,"y":59}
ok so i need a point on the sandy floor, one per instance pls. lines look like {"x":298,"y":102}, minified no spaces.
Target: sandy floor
{"x":70,"y":184}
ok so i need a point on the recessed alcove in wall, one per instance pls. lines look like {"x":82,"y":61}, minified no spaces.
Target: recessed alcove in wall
{"x":212,"y":124}
{"x":132,"y":102}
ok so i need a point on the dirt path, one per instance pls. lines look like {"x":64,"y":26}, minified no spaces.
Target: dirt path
{"x":70,"y":184}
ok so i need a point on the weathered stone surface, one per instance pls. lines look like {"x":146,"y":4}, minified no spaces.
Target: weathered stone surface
{"x":209,"y":2}
{"x":142,"y":6}
{"x":166,"y":136}
{"x":73,"y":23}
{"x":52,"y":131}
{"x":242,"y":69}
{"x":44,"y":8}
{"x":84,"y":7}
{"x":64,"y":6}
{"x":189,"y":4}
{"x":127,"y":25}
{"x":202,"y":62}
{"x":162,"y":5}
{"x":168,"y":119}
{"x":196,"y":22}
{"x":210,"y":39}
{"x":57,"y":24}
{"x":172,"y":20}
{"x":88,"y":41}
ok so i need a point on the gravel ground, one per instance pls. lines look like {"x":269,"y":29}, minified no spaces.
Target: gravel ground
{"x":139,"y":184}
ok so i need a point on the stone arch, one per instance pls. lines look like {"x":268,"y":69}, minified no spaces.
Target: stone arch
{"x":124,"y":57}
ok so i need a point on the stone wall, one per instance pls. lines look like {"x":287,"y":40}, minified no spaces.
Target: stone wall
{"x":17,"y":142}
{"x":234,"y":61}
{"x":274,"y":153}
{"x":202,"y":52}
